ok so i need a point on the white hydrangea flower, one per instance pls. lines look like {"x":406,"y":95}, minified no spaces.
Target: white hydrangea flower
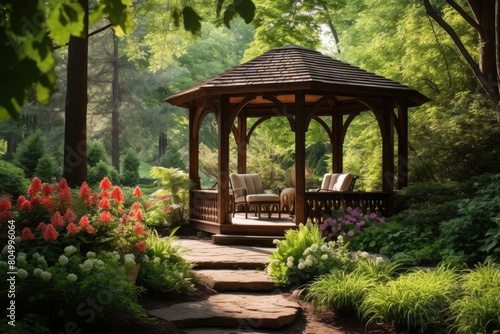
{"x":100,"y":265}
{"x":301,"y":266}
{"x":68,"y":250}
{"x":63,"y":260}
{"x":37,"y":272}
{"x":276,"y":241}
{"x":46,"y":276}
{"x":289,"y":264}
{"x":41,"y":260}
{"x":90,"y":255}
{"x":308,"y":263}
{"x":36,"y":255}
{"x":17,"y":240}
{"x":22,"y":274}
{"x":21,"y":259}
{"x":72,"y":277}
{"x":324,"y":248}
{"x":365,"y":255}
{"x":129,"y":262}
{"x":331,"y":244}
{"x":379,"y":260}
{"x":324,"y":257}
{"x":310,"y":257}
{"x":340,"y":238}
{"x":290,"y":259}
{"x":314,"y":247}
{"x":307,"y":251}
{"x":87,"y":266}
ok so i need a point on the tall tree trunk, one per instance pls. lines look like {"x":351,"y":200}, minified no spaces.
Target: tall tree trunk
{"x":115,"y":132}
{"x":75,"y":127}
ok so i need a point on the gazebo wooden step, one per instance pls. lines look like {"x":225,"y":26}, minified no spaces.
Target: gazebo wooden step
{"x":253,"y":240}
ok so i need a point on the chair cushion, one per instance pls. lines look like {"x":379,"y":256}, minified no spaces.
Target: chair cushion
{"x":326,"y":181}
{"x":343,"y":182}
{"x":333,"y":181}
{"x":263,"y":198}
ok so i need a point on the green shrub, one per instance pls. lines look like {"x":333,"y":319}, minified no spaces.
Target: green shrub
{"x":97,"y":173}
{"x":478,"y":311}
{"x":163,"y":269}
{"x":29,"y":152}
{"x":465,"y":236}
{"x":130,"y":169}
{"x":344,"y":291}
{"x":95,"y":153}
{"x":426,"y":195}
{"x":415,"y":302}
{"x":45,"y":168}
{"x":304,"y":255}
{"x":172,"y":159}
{"x":12,"y":180}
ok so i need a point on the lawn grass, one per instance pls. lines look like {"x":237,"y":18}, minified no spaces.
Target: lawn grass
{"x":144,"y":169}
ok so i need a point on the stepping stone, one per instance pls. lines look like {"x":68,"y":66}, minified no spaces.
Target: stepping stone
{"x":234,"y":280}
{"x":232,"y":310}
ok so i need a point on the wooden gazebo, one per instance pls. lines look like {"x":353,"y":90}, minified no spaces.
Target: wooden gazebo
{"x":301,"y":85}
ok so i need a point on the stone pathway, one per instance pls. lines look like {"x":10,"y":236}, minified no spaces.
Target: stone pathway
{"x":247,"y":301}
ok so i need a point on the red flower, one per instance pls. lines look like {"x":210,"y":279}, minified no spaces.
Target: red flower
{"x":135,"y":207}
{"x":90,"y":229}
{"x":137,"y":192}
{"x":20,"y":200}
{"x":46,"y":190}
{"x":139,"y":216}
{"x":104,"y":193}
{"x":141,"y":246}
{"x":138,"y":229}
{"x":105,"y":184}
{"x":65,"y":195}
{"x":35,"y":186}
{"x":95,"y":197}
{"x":88,"y":201}
{"x":84,"y":222}
{"x":69,"y":216}
{"x":104,"y":204}
{"x":124,"y":219}
{"x":35,"y":201}
{"x":148,"y":205}
{"x":118,"y":195}
{"x":50,"y":233}
{"x":62,"y":185}
{"x":84,"y":190}
{"x":25,"y":206}
{"x":72,"y":228}
{"x":5,"y":204}
{"x":5,"y":216}
{"x":41,"y":227}
{"x":26,"y":234}
{"x":106,"y":217}
{"x":57,"y":220}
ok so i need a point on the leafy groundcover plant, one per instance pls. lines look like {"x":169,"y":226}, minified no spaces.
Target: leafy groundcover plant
{"x":304,"y":255}
{"x":416,"y":302}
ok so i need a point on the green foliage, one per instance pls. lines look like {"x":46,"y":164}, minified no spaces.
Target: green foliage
{"x":465,"y":235}
{"x":478,"y":310}
{"x":176,"y":186}
{"x":414,"y":302}
{"x":172,"y":159}
{"x":163,"y":269}
{"x":405,"y":244}
{"x":73,"y":283}
{"x":97,"y":173}
{"x":29,"y":152}
{"x":130,"y":169}
{"x":95,"y":153}
{"x":344,"y":291}
{"x":304,"y":255}
{"x":45,"y":168}
{"x":12,"y":180}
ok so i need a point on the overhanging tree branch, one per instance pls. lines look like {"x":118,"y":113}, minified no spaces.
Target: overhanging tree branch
{"x":483,"y":82}
{"x":464,"y":14}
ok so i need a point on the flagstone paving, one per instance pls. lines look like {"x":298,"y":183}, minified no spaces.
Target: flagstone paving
{"x":253,"y":302}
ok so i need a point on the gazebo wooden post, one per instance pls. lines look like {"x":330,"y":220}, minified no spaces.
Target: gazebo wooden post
{"x":387,"y":113}
{"x":242,"y":143}
{"x":337,"y":143}
{"x":194,"y":174}
{"x":402,"y":146}
{"x":224,"y":128}
{"x":300,"y":158}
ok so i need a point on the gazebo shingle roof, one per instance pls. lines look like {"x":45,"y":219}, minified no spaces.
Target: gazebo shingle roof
{"x":296,"y":68}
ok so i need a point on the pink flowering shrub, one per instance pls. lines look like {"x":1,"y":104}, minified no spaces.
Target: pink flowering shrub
{"x":348,"y":223}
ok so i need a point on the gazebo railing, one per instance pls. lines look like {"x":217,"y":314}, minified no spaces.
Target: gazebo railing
{"x":319,"y":204}
{"x":204,"y":204}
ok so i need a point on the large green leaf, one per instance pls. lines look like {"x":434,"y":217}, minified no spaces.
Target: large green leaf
{"x":66,"y":19}
{"x":192,"y":21}
{"x":119,"y":14}
{"x":246,"y":9}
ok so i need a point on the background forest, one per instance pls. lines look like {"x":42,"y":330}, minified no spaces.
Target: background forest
{"x":453,"y":137}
